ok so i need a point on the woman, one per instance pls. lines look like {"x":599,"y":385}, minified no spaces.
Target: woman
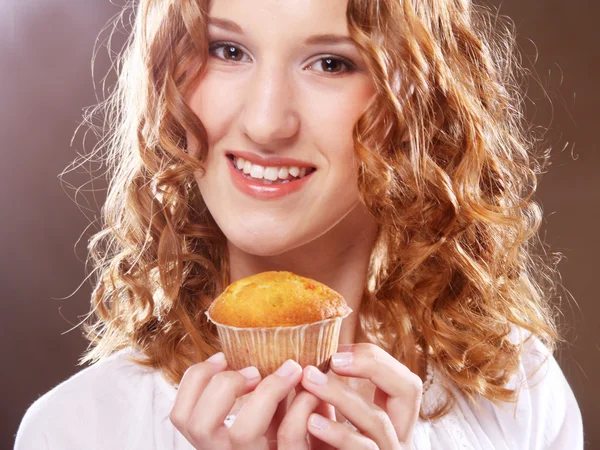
{"x":375,"y":146}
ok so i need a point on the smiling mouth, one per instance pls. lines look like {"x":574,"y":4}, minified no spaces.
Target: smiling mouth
{"x":269,"y":175}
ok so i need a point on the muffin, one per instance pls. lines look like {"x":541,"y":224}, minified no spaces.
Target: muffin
{"x":265,"y":319}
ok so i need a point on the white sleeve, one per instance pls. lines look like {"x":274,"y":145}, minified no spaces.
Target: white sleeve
{"x":32,"y":433}
{"x":556,"y":422}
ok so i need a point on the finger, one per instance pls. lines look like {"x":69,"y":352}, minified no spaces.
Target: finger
{"x":375,"y":364}
{"x":338,"y":435}
{"x":369,"y":418}
{"x":207,"y":420}
{"x":292,"y":432}
{"x":403,"y":387}
{"x":258,"y":417}
{"x":190,"y":388}
{"x":326,"y":410}
{"x":271,"y":433}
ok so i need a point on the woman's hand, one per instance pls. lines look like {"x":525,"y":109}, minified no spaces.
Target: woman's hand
{"x":208,"y":392}
{"x":388,"y":422}
{"x":292,"y":433}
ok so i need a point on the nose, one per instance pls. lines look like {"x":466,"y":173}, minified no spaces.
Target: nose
{"x":269,"y":114}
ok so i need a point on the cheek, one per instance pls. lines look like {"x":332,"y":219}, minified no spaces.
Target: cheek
{"x":214,"y":105}
{"x":334,"y":117}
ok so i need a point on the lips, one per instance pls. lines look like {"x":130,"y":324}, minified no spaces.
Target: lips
{"x":257,"y":189}
{"x":271,"y":161}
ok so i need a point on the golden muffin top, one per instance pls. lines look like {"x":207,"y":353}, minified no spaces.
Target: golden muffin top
{"x":276,"y":299}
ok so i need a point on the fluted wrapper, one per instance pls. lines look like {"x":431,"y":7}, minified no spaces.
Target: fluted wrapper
{"x":267,"y":348}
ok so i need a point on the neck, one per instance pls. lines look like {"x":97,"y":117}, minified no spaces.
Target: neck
{"x":338,"y":259}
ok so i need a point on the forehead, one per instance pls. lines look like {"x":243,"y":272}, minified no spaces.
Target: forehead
{"x":280,"y":17}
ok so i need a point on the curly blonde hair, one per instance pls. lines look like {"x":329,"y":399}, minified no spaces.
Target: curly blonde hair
{"x":446,"y":168}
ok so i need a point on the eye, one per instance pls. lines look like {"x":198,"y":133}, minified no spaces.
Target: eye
{"x":335,"y":65}
{"x":230,"y":51}
{"x":227,"y":51}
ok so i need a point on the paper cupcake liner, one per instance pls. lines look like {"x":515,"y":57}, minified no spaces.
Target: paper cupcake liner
{"x":267,"y":348}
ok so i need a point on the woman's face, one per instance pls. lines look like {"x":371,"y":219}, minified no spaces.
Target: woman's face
{"x":282,"y":89}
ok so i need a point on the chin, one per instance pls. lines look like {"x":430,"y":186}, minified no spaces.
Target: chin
{"x":266,"y":244}
{"x":258,"y":248}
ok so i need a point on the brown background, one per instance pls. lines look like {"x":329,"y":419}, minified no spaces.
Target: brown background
{"x":45,"y":54}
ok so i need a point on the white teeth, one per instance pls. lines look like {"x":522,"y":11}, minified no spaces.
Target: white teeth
{"x":283,"y":173}
{"x":257,"y":171}
{"x":271,"y":173}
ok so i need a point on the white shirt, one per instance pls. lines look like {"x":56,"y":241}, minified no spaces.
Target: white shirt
{"x":117,"y":404}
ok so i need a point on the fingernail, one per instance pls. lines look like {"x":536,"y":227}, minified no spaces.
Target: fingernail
{"x":250,"y":372}
{"x":316,"y":376}
{"x":342,"y":359}
{"x":217,"y":358}
{"x":288,"y":368}
{"x":317,"y":421}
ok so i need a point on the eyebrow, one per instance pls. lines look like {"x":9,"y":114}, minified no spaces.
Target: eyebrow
{"x":330,"y":39}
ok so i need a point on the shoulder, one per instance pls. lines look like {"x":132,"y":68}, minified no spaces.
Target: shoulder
{"x":97,"y":398}
{"x":546,"y":402}
{"x":546,"y":414}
